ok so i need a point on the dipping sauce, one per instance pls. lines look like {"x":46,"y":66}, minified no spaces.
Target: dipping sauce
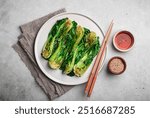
{"x":116,"y":65}
{"x":123,"y":41}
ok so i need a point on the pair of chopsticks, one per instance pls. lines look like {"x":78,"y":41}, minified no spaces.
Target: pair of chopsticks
{"x":98,"y":62}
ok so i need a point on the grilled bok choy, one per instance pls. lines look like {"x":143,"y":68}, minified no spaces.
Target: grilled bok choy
{"x":73,"y":53}
{"x":82,"y":65}
{"x":53,"y":36}
{"x":70,"y":47}
{"x":64,"y":45}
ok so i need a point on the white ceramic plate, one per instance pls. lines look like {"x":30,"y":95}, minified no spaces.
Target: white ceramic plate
{"x":57,"y":75}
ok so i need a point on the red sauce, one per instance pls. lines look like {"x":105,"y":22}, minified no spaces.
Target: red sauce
{"x":124,"y":40}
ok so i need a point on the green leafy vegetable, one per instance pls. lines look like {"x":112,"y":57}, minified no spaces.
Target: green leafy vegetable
{"x":53,"y":36}
{"x":73,"y":53}
{"x":86,"y":59}
{"x":64,"y":45}
{"x":70,"y":47}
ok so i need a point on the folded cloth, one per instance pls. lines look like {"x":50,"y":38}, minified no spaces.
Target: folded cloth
{"x":25,"y":49}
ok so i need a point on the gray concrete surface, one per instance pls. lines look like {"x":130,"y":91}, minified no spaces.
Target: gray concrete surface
{"x":16,"y":82}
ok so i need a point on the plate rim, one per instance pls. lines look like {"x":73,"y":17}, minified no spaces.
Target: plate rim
{"x":36,"y":55}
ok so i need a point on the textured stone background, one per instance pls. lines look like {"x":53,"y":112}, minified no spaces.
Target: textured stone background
{"x":16,"y":82}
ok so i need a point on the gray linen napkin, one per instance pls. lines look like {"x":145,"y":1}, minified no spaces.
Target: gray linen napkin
{"x":25,"y":49}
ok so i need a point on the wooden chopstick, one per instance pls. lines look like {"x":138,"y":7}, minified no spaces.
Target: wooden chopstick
{"x":100,"y":61}
{"x":96,"y":63}
{"x":98,"y":67}
{"x":93,"y":71}
{"x":93,"y":75}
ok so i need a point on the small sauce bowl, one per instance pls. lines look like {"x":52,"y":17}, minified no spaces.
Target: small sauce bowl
{"x":116,"y":65}
{"x":123,"y":41}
